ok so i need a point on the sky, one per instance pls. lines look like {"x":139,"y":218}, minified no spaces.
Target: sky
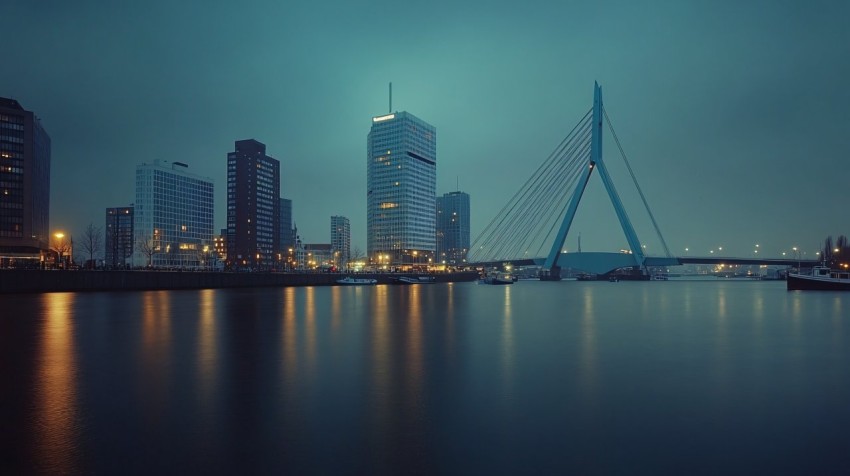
{"x":735,"y":115}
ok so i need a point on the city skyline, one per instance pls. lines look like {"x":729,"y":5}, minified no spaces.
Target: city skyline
{"x":720,"y":123}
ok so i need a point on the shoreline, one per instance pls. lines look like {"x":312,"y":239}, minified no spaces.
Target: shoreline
{"x":19,"y":281}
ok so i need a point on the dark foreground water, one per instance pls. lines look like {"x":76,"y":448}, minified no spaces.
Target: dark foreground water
{"x":714,"y":377}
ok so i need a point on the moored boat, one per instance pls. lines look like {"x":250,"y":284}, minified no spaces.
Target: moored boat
{"x":821,"y":278}
{"x":350,"y":280}
{"x":415,"y":280}
{"x":497,"y":278}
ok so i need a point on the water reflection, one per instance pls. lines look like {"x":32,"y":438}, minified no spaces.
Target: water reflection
{"x":155,"y":351}
{"x":57,"y":436}
{"x":336,"y":311}
{"x":508,"y":345}
{"x":588,"y":361}
{"x":420,"y":379}
{"x":290,"y":336}
{"x":207,"y":353}
{"x":310,"y":330}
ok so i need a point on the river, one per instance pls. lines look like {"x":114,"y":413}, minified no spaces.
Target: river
{"x":676,"y":377}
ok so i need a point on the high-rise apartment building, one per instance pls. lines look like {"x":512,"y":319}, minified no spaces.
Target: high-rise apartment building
{"x":173,"y":215}
{"x":253,"y":206}
{"x":340,"y":240}
{"x":220,"y":245}
{"x":120,"y":238}
{"x":452,"y":228}
{"x":24,"y":186}
{"x":287,"y":234}
{"x":401,"y":179}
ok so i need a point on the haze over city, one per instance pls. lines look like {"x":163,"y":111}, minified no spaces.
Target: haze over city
{"x":734,"y":117}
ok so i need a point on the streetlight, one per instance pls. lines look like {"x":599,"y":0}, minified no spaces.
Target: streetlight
{"x":796,"y":252}
{"x":60,"y":245}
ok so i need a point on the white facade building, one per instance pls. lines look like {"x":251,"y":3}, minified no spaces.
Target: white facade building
{"x":340,"y":240}
{"x":401,"y":181}
{"x":173,"y":216}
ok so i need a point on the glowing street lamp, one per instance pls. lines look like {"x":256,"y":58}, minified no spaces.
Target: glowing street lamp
{"x":60,"y":246}
{"x":797,"y":252}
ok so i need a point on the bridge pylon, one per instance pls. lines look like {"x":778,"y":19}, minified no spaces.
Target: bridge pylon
{"x":595,"y":162}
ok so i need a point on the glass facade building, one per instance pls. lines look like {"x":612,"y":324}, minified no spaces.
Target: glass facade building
{"x":24,"y":186}
{"x":120,"y":238}
{"x":452,"y":228}
{"x":401,"y":178}
{"x":173,"y":215}
{"x":341,"y":240}
{"x":253,"y":206}
{"x":287,"y":234}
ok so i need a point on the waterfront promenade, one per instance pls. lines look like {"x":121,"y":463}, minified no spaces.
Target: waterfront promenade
{"x":35,"y":281}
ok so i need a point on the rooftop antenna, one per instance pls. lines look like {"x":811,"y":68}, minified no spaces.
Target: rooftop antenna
{"x":391,"y":97}
{"x":457,"y":183}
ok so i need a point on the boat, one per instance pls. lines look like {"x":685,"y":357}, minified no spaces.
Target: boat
{"x":821,"y":278}
{"x":350,"y":280}
{"x":496,"y":278}
{"x":659,"y":277}
{"x":415,"y":280}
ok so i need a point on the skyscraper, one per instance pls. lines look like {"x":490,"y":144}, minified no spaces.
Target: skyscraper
{"x":173,"y":219}
{"x":24,"y":186}
{"x":401,"y":177}
{"x":452,"y":227}
{"x":287,"y":234}
{"x":340,"y":240}
{"x":120,"y":238}
{"x":253,"y":206}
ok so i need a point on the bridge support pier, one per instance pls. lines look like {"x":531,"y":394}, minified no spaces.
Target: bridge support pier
{"x":551,"y":274}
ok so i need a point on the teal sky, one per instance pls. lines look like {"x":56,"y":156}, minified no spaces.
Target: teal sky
{"x":735,"y":115}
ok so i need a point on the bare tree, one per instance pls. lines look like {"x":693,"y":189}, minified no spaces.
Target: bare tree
{"x":61,"y":244}
{"x":148,"y":247}
{"x":355,"y":255}
{"x":92,"y":241}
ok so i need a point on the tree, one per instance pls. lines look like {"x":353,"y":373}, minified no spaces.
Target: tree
{"x":61,"y":244}
{"x":834,"y":255}
{"x":355,"y":255}
{"x":148,"y":247}
{"x":92,"y":241}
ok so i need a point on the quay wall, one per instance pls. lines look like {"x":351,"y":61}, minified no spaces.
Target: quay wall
{"x":39,"y":281}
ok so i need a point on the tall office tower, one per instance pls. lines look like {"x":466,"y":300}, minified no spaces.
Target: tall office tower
{"x":24,"y":187}
{"x":401,"y":177}
{"x":287,"y":237}
{"x":173,"y":215}
{"x":340,"y":240}
{"x":253,"y":206}
{"x":120,"y":239}
{"x":452,"y":228}
{"x":220,"y":245}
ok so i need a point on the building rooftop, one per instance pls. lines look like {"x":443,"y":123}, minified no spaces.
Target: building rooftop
{"x":10,"y":104}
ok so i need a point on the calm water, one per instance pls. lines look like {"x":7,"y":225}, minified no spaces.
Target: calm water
{"x":678,"y":377}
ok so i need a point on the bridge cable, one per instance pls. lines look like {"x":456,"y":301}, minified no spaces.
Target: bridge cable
{"x":634,"y":179}
{"x":550,"y":235}
{"x":504,"y":213}
{"x":513,"y":218}
{"x":526,"y":220}
{"x":531,"y":219}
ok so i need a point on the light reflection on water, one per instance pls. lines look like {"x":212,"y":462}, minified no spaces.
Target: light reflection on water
{"x":431,"y":378}
{"x":57,"y":428}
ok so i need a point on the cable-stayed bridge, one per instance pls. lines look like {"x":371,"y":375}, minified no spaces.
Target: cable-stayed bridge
{"x":532,"y":227}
